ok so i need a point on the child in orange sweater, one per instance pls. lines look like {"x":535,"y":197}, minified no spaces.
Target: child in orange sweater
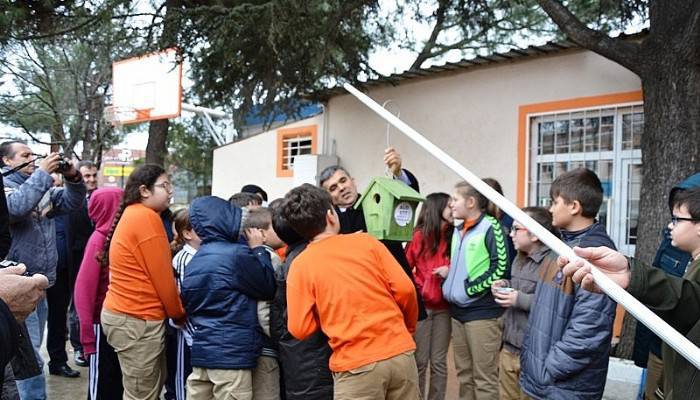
{"x":142,"y":292}
{"x":352,"y":288}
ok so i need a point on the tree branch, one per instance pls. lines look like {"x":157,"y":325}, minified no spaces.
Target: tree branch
{"x":59,"y":32}
{"x":427,"y":50}
{"x":625,"y":53}
{"x":34,"y":138}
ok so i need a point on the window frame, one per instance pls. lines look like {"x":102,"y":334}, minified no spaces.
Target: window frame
{"x":283,"y":134}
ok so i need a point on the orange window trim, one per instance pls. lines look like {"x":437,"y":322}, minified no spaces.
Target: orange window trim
{"x":287,"y":133}
{"x":551,"y":106}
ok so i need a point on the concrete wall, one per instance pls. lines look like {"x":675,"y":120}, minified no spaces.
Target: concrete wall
{"x":254,"y":160}
{"x":472,"y":115}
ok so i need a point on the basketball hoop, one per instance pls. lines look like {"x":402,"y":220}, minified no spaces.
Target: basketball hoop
{"x":118,"y":116}
{"x":146,"y":88}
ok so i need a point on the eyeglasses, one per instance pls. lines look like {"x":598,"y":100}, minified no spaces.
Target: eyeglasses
{"x":515,"y":229}
{"x":675,"y":219}
{"x":165,"y":185}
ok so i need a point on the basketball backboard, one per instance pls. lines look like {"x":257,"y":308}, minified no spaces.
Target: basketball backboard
{"x":146,"y":88}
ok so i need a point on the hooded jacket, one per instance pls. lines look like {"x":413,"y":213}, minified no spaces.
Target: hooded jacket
{"x":479,"y":257}
{"x":677,"y":301}
{"x":221,"y":287}
{"x":671,"y":260}
{"x":32,"y":202}
{"x":92,"y":281}
{"x":566,"y":347}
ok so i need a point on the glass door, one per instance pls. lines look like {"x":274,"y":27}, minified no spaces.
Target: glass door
{"x":627,"y":207}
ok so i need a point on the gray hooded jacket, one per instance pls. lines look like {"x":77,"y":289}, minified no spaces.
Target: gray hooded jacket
{"x":32,"y":202}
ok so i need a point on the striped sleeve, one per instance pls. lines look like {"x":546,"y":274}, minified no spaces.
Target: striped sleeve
{"x":495,"y":242}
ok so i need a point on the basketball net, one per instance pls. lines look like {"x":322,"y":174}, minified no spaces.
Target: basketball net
{"x":118,"y":116}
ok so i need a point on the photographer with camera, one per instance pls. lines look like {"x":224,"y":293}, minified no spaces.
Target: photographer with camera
{"x":32,"y":202}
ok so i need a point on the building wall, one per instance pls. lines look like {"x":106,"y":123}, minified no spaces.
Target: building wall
{"x":254,"y":160}
{"x":472,"y":115}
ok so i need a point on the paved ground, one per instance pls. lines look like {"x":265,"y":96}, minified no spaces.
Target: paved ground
{"x":60,"y":388}
{"x":76,"y":388}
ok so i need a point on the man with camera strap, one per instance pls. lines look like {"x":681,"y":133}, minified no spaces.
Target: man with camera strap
{"x":32,"y":202}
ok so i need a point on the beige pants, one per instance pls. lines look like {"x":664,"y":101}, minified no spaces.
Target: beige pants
{"x":393,"y":379}
{"x":140,"y":346}
{"x":266,"y":379}
{"x":476,"y":345}
{"x":220,"y":384}
{"x":509,"y":376}
{"x":655,"y":369}
{"x":432,"y":340}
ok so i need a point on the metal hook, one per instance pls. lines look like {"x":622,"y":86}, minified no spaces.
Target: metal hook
{"x":388,"y":126}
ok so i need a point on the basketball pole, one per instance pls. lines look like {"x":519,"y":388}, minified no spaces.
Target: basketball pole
{"x":221,"y":138}
{"x":662,"y":329}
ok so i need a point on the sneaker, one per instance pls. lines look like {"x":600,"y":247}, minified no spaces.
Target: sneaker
{"x":79,"y":359}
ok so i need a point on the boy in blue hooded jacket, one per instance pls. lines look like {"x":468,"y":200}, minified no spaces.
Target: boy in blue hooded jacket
{"x":224,"y":281}
{"x":566,"y":346}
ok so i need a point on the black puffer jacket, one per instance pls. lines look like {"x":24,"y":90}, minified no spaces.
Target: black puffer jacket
{"x":304,"y":363}
{"x":9,"y":337}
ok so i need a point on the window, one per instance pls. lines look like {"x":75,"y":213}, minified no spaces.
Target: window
{"x":605,"y":140}
{"x":293,"y":142}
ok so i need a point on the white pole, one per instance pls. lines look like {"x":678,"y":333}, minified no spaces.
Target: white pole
{"x":669,"y":335}
{"x":205,"y":110}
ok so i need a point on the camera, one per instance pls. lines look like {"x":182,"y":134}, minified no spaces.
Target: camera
{"x":10,"y":263}
{"x":64,"y":164}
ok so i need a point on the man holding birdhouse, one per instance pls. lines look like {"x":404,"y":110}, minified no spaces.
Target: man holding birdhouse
{"x":343,"y":190}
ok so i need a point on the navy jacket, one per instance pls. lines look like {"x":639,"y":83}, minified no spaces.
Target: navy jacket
{"x":672,"y":261}
{"x":222,"y":285}
{"x":566,"y":347}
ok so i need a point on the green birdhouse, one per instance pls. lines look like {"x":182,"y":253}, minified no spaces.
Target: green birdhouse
{"x":389,"y":206}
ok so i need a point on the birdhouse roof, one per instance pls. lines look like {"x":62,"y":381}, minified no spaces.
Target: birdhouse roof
{"x":397,"y":188}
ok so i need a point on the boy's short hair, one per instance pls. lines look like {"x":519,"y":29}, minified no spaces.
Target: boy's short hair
{"x":305,"y":209}
{"x":259,"y":218}
{"x":244,"y":199}
{"x":543,"y":217}
{"x":580,"y":185}
{"x":467,"y":190}
{"x":690,"y":198}
{"x":281,"y":226}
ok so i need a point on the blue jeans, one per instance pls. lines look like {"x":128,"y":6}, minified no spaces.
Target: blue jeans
{"x":34,"y":388}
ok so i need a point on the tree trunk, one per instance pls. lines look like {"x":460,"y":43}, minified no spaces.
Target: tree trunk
{"x":157,"y":135}
{"x":666,"y":60}
{"x":670,"y":149}
{"x":156,"y":150}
